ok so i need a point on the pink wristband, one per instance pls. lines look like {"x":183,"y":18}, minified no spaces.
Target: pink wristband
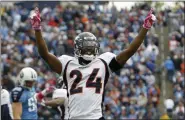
{"x":40,"y":95}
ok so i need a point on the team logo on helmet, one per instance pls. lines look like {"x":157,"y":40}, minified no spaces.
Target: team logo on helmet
{"x":21,"y":75}
{"x":32,"y":75}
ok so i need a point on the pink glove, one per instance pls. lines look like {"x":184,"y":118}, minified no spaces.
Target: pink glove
{"x":48,"y":90}
{"x":35,"y":19}
{"x":149,"y":20}
{"x":43,"y":93}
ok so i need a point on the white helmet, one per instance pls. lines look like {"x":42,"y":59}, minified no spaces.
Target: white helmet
{"x":27,"y":74}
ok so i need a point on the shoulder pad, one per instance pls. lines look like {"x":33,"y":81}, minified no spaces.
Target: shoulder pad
{"x":19,"y":88}
{"x":107,"y":55}
{"x":4,"y":92}
{"x":16,"y":94}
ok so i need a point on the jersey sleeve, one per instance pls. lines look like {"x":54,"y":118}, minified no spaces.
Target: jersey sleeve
{"x":107,"y":57}
{"x":6,"y":108}
{"x":64,"y":60}
{"x":17,"y":95}
{"x":110,"y":59}
{"x":5,"y":97}
{"x":59,"y":93}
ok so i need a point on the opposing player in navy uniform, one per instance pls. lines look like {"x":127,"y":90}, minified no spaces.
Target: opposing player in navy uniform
{"x":86,"y":74}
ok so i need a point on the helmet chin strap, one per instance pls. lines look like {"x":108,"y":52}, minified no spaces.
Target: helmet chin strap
{"x":82,"y":61}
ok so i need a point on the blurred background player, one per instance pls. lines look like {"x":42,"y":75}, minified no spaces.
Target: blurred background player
{"x":6,"y":107}
{"x":24,"y":103}
{"x":59,"y":99}
{"x":24,"y":98}
{"x":86,"y":74}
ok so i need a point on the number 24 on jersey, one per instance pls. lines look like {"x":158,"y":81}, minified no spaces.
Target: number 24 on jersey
{"x":89,"y":84}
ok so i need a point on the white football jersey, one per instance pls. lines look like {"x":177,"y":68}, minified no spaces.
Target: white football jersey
{"x":6,"y":107}
{"x":85,"y":85}
{"x":58,"y":93}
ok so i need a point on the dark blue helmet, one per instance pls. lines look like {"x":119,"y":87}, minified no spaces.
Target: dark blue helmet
{"x":86,"y":46}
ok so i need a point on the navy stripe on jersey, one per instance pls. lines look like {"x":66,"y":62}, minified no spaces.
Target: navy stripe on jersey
{"x":65,"y":80}
{"x":105,"y":82}
{"x":16,"y":93}
{"x":5,"y":112}
{"x":63,"y":111}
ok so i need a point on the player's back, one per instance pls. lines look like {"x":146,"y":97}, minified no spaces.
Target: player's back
{"x":29,"y":103}
{"x":6,"y":108}
{"x":85,"y":85}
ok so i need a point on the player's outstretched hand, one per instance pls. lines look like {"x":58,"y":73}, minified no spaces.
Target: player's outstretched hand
{"x":149,"y":20}
{"x":35,"y":19}
{"x":48,"y":90}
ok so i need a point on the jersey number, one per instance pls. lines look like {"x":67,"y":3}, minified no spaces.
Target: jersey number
{"x":89,"y":84}
{"x":31,"y":105}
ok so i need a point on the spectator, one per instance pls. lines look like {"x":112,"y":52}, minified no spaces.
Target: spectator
{"x":179,"y":110}
{"x":173,"y":43}
{"x":178,"y":93}
{"x":123,"y":113}
{"x":177,"y":62}
{"x":169,"y":66}
{"x":182,"y":66}
{"x":169,"y":108}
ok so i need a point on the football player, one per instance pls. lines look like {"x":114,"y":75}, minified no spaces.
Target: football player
{"x":59,"y":99}
{"x":86,"y":74}
{"x":24,"y":98}
{"x":24,"y":103}
{"x":6,"y":107}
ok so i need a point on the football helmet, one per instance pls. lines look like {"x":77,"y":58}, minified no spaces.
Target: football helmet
{"x":86,"y":46}
{"x":27,"y":74}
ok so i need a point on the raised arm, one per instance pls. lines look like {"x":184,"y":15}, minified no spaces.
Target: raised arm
{"x":126,"y":54}
{"x":51,"y":59}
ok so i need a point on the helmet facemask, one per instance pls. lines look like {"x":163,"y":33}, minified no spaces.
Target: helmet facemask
{"x":29,"y":83}
{"x":86,"y":47}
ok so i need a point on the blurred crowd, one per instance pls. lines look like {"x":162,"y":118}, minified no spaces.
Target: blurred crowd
{"x":131,"y":92}
{"x":175,"y":64}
